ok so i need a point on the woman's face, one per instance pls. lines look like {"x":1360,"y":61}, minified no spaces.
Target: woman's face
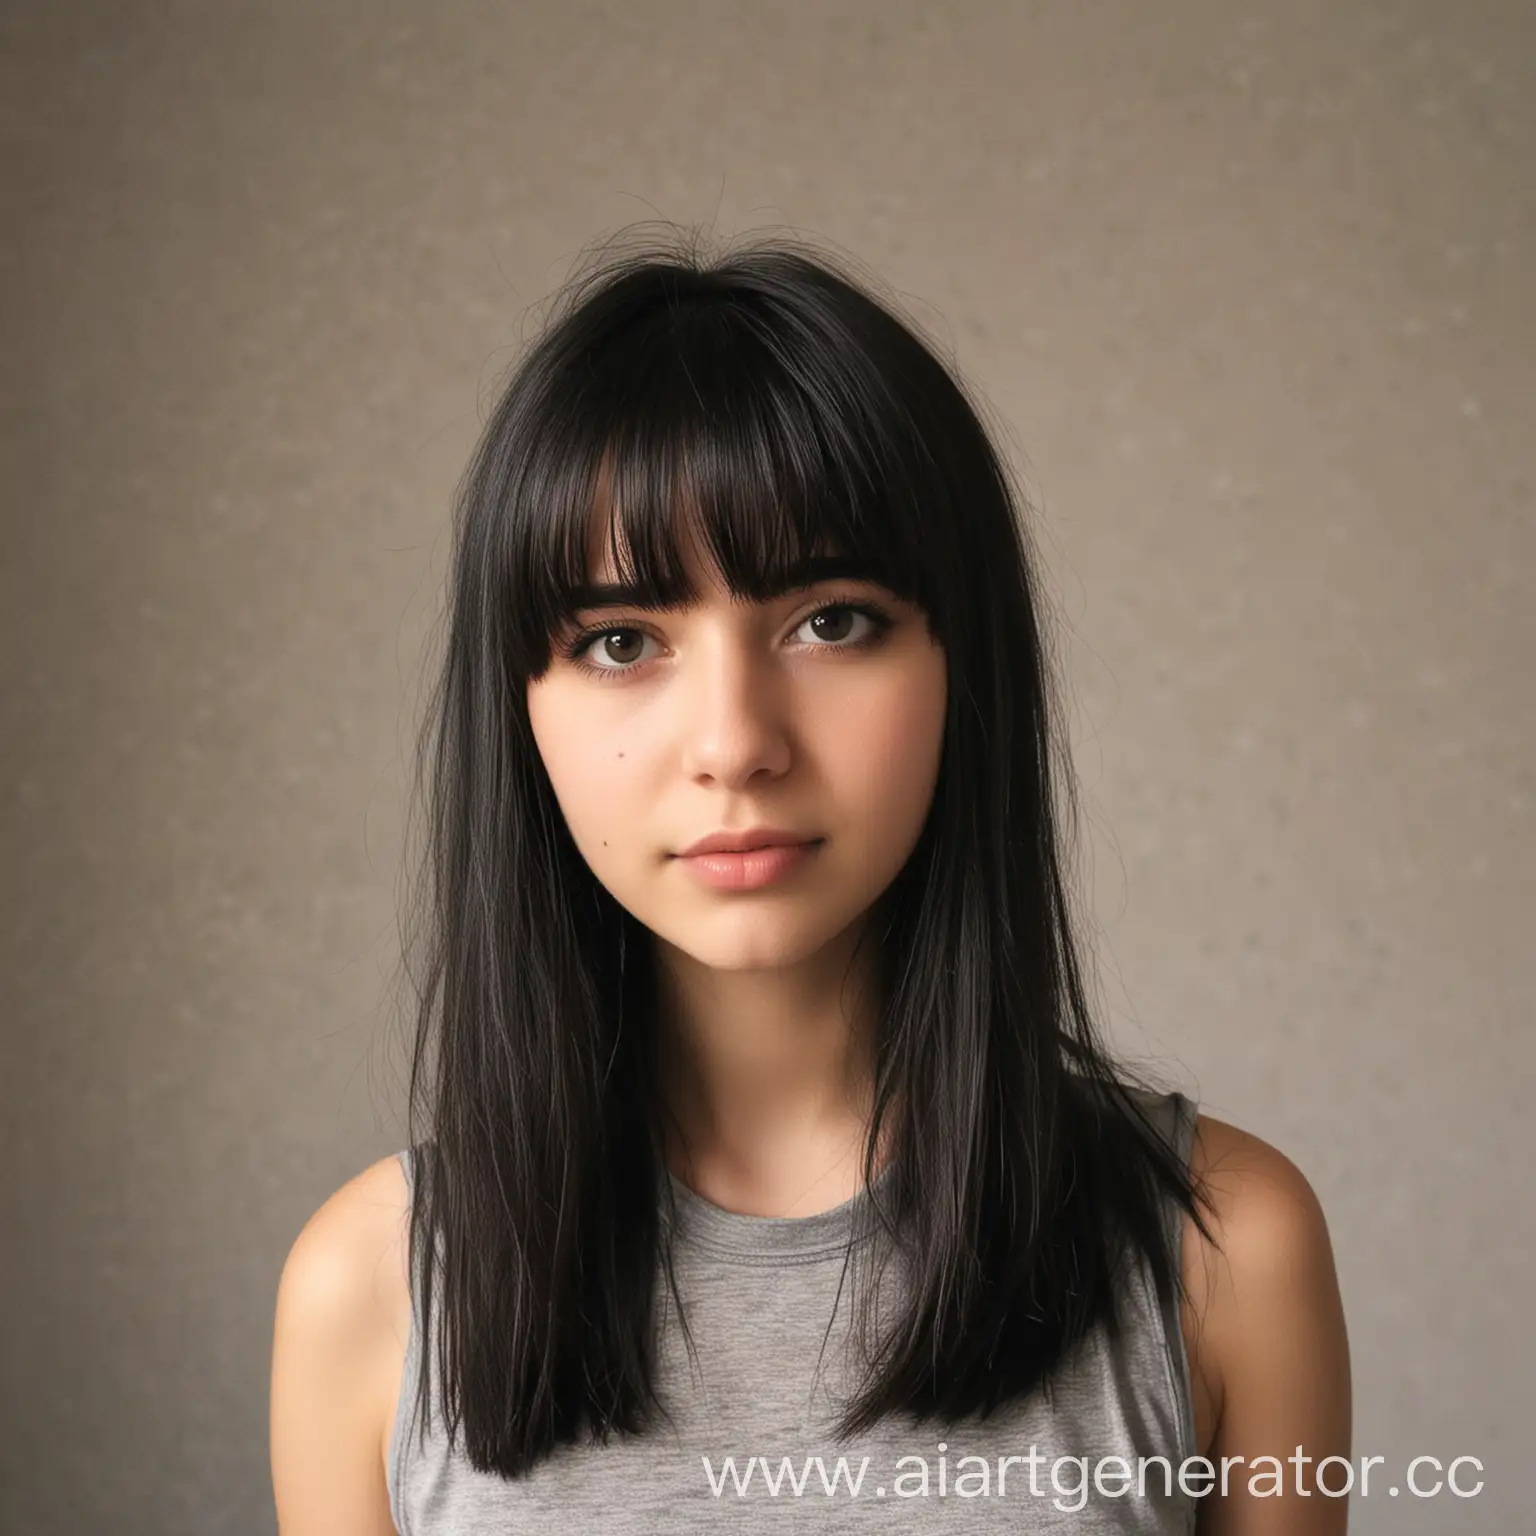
{"x":801,"y":714}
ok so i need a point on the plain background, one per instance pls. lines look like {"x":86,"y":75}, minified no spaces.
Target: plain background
{"x":1252,"y":285}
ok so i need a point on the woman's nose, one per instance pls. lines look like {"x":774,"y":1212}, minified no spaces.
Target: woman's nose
{"x":734,"y":715}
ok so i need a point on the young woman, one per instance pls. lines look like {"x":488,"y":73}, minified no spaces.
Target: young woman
{"x":775,"y":1174}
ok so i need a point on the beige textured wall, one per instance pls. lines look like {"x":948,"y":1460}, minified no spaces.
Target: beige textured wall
{"x":1252,"y":283}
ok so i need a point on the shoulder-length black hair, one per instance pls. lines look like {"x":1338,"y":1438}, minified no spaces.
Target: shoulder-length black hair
{"x":766,"y":396}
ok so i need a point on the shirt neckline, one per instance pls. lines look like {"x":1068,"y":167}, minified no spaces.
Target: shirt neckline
{"x":782,"y":1239}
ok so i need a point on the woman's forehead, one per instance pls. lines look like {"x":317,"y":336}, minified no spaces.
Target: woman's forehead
{"x":610,"y":559}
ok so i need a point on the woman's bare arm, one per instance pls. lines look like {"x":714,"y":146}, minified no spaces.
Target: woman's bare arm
{"x":338,"y":1342}
{"x":1272,"y":1343}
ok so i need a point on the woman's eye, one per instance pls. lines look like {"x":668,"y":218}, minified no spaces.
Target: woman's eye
{"x":620,"y":649}
{"x":613,"y":656}
{"x":831,"y":624}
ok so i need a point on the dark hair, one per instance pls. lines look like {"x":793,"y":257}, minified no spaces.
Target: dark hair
{"x":766,"y":395}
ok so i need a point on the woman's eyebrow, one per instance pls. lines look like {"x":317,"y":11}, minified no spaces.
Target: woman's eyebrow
{"x":618,"y":594}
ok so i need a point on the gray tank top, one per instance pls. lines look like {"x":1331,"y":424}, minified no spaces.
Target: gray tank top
{"x":749,"y":1446}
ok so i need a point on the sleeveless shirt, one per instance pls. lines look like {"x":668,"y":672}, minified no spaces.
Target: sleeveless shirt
{"x":748,"y":1445}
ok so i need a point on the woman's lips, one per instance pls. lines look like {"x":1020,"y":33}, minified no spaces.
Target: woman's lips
{"x":750,"y":870}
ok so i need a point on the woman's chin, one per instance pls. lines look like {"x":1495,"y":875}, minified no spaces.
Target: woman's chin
{"x":751,"y":941}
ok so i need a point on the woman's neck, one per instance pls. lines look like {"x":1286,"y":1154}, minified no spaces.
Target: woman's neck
{"x":768,"y":1079}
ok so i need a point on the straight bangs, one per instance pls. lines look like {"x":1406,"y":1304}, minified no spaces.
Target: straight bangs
{"x":768,"y":446}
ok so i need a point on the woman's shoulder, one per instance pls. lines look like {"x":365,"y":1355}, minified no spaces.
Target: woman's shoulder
{"x":1265,"y":1277}
{"x":348,"y":1262}
{"x":343,"y":1321}
{"x":1263,"y":1210}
